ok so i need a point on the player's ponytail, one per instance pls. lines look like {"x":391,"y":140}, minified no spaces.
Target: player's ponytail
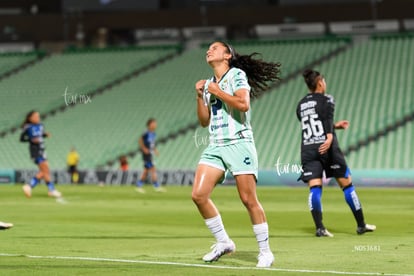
{"x":27,"y":119}
{"x":311,"y":78}
{"x":259,"y":73}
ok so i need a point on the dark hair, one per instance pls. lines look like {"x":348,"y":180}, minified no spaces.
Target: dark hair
{"x":259,"y":73}
{"x":150,"y":120}
{"x":311,"y":78}
{"x":123,"y":159}
{"x":27,"y":118}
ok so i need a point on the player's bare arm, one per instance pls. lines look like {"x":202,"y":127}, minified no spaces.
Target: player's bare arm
{"x":343,"y":124}
{"x":240,"y":100}
{"x":327,"y":144}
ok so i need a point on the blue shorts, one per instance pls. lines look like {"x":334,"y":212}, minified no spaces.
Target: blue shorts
{"x":148,"y":163}
{"x":39,"y":159}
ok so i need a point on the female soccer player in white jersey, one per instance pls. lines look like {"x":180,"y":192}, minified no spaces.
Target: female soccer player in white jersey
{"x":223,"y":104}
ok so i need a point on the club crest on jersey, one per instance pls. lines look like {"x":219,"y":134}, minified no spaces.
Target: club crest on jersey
{"x":224,"y":84}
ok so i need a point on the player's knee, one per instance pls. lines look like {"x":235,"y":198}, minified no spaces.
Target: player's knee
{"x":198,"y":198}
{"x":344,"y":182}
{"x":249,"y":201}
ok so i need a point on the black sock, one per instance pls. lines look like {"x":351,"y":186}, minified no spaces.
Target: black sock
{"x":317,"y":219}
{"x":359,"y":217}
{"x":352,"y":199}
{"x":315,"y":205}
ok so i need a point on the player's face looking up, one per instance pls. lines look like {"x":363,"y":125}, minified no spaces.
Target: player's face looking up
{"x":217,"y":52}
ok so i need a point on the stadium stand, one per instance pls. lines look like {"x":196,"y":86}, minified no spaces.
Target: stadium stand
{"x":393,"y":151}
{"x":370,"y":80}
{"x":382,"y":100}
{"x":42,"y":87}
{"x":12,"y":61}
{"x":293,"y":55}
{"x":372,"y":87}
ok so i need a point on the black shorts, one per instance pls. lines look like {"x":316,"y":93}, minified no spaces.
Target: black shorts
{"x":72,"y":169}
{"x":38,"y":155}
{"x":333,"y":163}
{"x":148,"y":163}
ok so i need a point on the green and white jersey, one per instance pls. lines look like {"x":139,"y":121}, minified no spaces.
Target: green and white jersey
{"x":227,"y":124}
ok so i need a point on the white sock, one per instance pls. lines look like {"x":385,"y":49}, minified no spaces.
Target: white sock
{"x":215,"y":224}
{"x":262,"y":236}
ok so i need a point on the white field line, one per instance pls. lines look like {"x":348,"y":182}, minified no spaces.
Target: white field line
{"x":199,"y":265}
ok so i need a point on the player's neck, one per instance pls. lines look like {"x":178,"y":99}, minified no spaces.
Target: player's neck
{"x":220,"y":70}
{"x":319,"y":92}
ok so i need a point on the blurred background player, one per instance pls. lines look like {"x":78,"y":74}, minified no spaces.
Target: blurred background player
{"x":147,"y":146}
{"x":5,"y":225}
{"x":320,"y":152}
{"x":223,"y":104}
{"x":123,"y":163}
{"x":72,"y":161}
{"x":34,"y":133}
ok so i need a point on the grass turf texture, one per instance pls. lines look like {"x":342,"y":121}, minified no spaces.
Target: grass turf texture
{"x":118,"y":223}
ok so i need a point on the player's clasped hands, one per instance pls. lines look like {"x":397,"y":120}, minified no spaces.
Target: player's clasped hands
{"x":213,"y":88}
{"x":200,"y":87}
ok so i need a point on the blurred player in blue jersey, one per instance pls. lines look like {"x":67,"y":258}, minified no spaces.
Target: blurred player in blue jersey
{"x":34,"y":133}
{"x":147,"y":146}
{"x":320,"y":152}
{"x":223,"y":104}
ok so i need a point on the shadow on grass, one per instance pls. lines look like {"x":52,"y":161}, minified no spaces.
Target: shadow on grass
{"x":245,"y":256}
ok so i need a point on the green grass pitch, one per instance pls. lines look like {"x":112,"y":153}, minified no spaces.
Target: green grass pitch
{"x":114,"y":230}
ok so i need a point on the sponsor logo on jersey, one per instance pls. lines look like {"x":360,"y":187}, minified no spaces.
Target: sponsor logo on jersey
{"x":247,"y":161}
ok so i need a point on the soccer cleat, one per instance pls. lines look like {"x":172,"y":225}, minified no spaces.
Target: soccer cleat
{"x":367,"y":228}
{"x":5,"y":225}
{"x":265,"y":259}
{"x":321,"y":232}
{"x":219,"y":249}
{"x":140,"y":190}
{"x":160,"y":189}
{"x":27,"y":190}
{"x":54,"y":193}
